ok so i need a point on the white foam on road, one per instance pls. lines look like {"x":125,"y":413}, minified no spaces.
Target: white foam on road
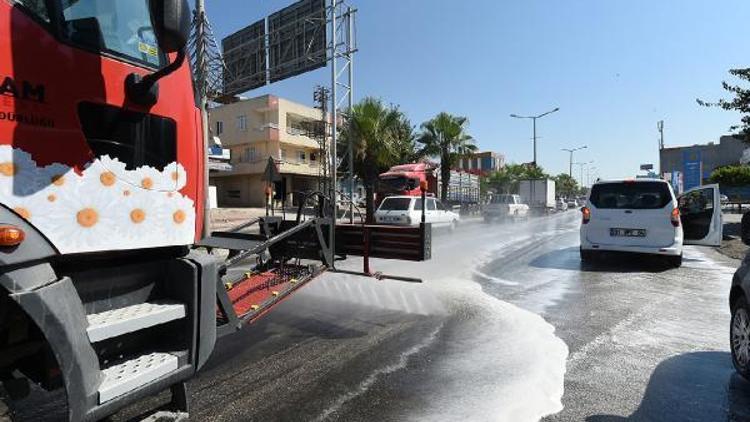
{"x":501,"y":362}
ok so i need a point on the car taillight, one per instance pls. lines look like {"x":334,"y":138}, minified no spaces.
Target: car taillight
{"x":675,"y":217}
{"x":586,"y":215}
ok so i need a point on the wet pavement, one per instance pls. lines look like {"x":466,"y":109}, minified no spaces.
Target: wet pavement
{"x":508,"y":326}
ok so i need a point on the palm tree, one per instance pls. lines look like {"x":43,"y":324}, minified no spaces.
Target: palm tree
{"x":372,"y":128}
{"x":445,"y":136}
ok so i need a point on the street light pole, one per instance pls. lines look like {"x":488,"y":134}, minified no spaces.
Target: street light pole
{"x":581,"y":169}
{"x":533,"y":120}
{"x":571,"y":151}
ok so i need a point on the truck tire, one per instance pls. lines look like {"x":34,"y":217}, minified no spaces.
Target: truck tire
{"x":5,"y":411}
{"x":745,"y":228}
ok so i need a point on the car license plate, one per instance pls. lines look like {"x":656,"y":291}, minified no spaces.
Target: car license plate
{"x":627,"y":232}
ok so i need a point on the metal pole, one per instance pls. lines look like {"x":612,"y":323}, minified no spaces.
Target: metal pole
{"x":350,"y":54}
{"x":534,"y":120}
{"x":203,"y":100}
{"x":570,"y":168}
{"x":334,"y":129}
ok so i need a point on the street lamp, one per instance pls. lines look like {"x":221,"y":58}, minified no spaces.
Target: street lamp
{"x":533,"y":119}
{"x":581,"y":168}
{"x":571,"y":151}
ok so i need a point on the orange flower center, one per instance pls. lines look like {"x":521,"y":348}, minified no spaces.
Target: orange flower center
{"x":87,"y":217}
{"x":58,"y":180}
{"x":8,"y":169}
{"x":147,"y":183}
{"x":51,"y":198}
{"x":137,"y":216}
{"x":107,"y":178}
{"x":175,"y":176}
{"x":179,"y":216}
{"x":23,"y":212}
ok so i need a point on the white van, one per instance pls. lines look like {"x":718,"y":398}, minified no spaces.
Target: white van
{"x":643,"y":216}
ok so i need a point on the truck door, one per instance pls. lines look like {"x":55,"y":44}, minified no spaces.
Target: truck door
{"x":700,"y":214}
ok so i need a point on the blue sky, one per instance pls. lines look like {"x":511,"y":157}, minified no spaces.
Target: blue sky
{"x":613,"y":67}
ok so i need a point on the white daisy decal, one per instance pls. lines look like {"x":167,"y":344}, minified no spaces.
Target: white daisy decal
{"x":97,"y":175}
{"x":58,"y":178}
{"x":19,"y":174}
{"x":83,"y":221}
{"x":140,"y":218}
{"x":33,"y":208}
{"x":150,"y":178}
{"x":179,"y":214}
{"x":175,"y":175}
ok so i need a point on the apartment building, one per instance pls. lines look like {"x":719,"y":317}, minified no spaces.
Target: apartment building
{"x":255,"y":129}
{"x":482,"y":162}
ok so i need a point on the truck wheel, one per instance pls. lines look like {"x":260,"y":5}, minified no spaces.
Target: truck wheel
{"x":739,"y":337}
{"x":5,"y":412}
{"x":745,"y":228}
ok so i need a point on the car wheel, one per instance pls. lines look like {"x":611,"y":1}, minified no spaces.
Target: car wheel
{"x":745,"y":228}
{"x":675,"y":261}
{"x":739,"y":337}
{"x":586,"y":256}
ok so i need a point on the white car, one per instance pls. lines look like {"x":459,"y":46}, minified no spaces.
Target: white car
{"x":407,"y":211}
{"x":505,"y":206}
{"x":643,"y":216}
{"x":561,"y":205}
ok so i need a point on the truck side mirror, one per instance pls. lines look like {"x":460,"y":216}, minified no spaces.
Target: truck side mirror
{"x":171,"y":22}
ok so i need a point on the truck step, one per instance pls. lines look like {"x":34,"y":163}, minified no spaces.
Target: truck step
{"x":121,"y":321}
{"x":129,"y":375}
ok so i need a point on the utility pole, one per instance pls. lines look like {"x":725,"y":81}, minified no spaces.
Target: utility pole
{"x":571,"y":151}
{"x":660,"y":128}
{"x":533,"y":120}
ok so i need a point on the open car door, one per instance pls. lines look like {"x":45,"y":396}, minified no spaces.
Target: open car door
{"x":700,"y":213}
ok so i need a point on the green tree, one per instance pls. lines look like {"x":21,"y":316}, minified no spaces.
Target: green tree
{"x":506,"y":179}
{"x":376,"y":132}
{"x":738,"y":175}
{"x":446,"y":136}
{"x":405,"y":146}
{"x":566,"y":185}
{"x":740,"y":103}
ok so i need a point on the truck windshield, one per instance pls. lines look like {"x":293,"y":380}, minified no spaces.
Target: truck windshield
{"x":120,"y":27}
{"x":399,"y":183}
{"x":395,"y":204}
{"x":641,"y":195}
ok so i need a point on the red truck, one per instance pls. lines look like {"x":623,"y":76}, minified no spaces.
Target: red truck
{"x":405,"y":179}
{"x":106,"y":292}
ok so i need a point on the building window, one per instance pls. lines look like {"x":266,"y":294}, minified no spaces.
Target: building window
{"x":283,"y":154}
{"x":249,"y":155}
{"x":219,"y":128}
{"x":300,"y":156}
{"x":242,"y":122}
{"x":233,"y":194}
{"x":313,"y":156}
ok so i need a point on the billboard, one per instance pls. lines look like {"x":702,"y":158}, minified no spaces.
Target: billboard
{"x":285,"y":44}
{"x":297,"y":39}
{"x":245,"y":59}
{"x":692,"y":166}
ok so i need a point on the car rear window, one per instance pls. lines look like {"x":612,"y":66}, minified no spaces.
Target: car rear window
{"x":639,"y":196}
{"x":502,"y":199}
{"x":395,"y":204}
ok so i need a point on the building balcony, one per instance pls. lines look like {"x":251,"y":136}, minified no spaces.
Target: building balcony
{"x":307,"y":168}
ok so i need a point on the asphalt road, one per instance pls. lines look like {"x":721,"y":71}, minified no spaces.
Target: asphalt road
{"x":508,"y":326}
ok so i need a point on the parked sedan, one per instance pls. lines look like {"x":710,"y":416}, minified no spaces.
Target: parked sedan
{"x":407,"y":211}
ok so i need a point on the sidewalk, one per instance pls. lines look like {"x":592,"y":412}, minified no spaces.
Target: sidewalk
{"x":732,"y":245}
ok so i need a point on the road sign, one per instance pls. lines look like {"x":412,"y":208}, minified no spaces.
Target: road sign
{"x":271,"y":174}
{"x":647,"y":166}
